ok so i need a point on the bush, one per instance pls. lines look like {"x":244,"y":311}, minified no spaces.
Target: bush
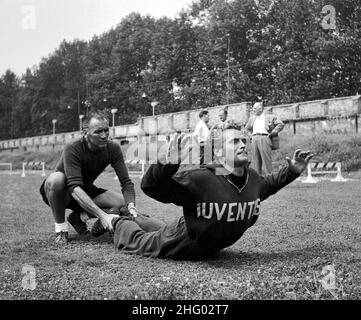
{"x":326,"y":148}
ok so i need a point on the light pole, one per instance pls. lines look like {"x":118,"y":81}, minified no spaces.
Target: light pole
{"x":228,"y":76}
{"x":113,"y":111}
{"x":54,"y":121}
{"x":154,"y":104}
{"x":81,"y":116}
{"x":87,"y":105}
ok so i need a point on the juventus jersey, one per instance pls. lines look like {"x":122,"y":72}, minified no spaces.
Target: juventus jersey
{"x":216,"y":210}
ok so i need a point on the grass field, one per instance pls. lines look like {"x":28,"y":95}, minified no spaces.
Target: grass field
{"x":301,"y":230}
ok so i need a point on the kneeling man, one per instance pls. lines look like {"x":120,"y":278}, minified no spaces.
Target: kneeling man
{"x":71,"y":185}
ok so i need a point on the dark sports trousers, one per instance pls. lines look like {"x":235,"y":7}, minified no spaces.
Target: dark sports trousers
{"x":168,"y":241}
{"x":92,"y":191}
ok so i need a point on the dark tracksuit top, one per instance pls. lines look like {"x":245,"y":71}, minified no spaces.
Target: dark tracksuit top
{"x":82,"y":166}
{"x":216,"y":211}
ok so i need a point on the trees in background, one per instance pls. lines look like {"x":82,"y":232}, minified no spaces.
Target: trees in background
{"x":215,"y":52}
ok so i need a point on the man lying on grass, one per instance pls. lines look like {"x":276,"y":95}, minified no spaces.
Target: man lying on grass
{"x":220,"y":201}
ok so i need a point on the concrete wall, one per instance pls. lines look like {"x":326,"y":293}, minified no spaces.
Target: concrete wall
{"x":340,"y":115}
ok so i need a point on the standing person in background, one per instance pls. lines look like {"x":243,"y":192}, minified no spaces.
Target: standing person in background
{"x":264,"y":128}
{"x":223,"y":114}
{"x":201,"y":133}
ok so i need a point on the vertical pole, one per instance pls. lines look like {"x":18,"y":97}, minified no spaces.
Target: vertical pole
{"x":12,"y":116}
{"x":309,"y":178}
{"x":113,"y":124}
{"x":228,"y":74}
{"x":143,"y":169}
{"x":80,"y":122}
{"x":78,"y":103}
{"x":294,"y":127}
{"x":23,"y":174}
{"x":356,"y":123}
{"x":43,"y":169}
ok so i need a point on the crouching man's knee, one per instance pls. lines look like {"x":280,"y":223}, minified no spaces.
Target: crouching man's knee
{"x":56,"y":182}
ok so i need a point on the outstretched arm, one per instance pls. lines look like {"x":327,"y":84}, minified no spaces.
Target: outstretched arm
{"x":276,"y":181}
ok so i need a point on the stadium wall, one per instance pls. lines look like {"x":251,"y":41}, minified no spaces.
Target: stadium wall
{"x":338,"y":115}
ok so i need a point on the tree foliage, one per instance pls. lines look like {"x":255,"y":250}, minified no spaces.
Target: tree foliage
{"x":214,"y":52}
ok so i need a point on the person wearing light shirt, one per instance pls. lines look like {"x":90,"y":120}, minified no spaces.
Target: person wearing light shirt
{"x":201,"y":133}
{"x":264,"y":129}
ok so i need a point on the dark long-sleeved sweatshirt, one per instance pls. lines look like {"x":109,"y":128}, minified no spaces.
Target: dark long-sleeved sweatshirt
{"x":82,"y":166}
{"x":216,"y":211}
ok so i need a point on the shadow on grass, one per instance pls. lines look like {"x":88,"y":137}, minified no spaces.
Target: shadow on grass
{"x":228,"y":258}
{"x":87,"y":238}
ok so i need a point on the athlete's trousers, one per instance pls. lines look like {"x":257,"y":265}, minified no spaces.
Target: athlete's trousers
{"x":168,"y":241}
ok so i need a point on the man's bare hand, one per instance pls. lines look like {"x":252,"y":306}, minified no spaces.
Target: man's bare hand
{"x":106,"y":221}
{"x":179,"y":149}
{"x":299,"y":161}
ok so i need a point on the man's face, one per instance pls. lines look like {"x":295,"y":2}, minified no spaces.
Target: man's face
{"x":222,"y":116}
{"x":206,"y":118}
{"x":235,"y":148}
{"x":258,"y":108}
{"x":98,"y":133}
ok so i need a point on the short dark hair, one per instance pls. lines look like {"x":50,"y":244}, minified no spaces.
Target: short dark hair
{"x":225,"y":110}
{"x":203,"y":113}
{"x":99,"y":115}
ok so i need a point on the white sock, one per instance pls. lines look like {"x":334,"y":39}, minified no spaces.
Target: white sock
{"x":84,"y":216}
{"x":59,"y":227}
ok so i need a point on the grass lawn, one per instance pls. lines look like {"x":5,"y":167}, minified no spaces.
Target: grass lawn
{"x":301,"y":230}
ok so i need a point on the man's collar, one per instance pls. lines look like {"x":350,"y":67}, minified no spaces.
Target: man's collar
{"x":218,"y":169}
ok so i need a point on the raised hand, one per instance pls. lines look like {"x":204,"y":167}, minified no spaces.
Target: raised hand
{"x":179,"y":149}
{"x":299,"y":161}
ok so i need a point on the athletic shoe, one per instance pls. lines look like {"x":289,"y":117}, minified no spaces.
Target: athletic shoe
{"x":97,"y":229}
{"x":75,"y":221}
{"x":62,"y":238}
